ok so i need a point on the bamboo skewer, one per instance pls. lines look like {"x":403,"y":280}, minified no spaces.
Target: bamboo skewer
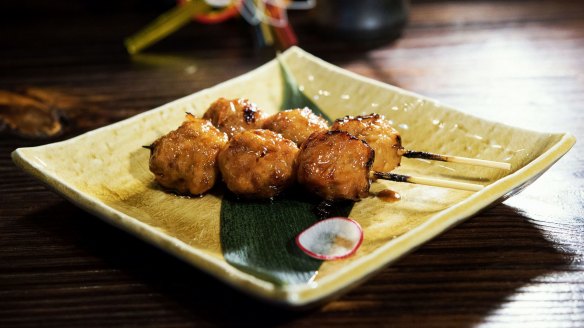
{"x":414,"y":180}
{"x":427,"y":181}
{"x":455,"y":159}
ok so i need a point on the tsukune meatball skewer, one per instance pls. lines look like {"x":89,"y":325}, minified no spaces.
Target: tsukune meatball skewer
{"x":261,"y":163}
{"x":336,"y":165}
{"x":257,"y":163}
{"x":386,"y":141}
{"x":237,"y":115}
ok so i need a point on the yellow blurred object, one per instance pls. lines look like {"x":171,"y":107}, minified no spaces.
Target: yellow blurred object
{"x":164,"y":25}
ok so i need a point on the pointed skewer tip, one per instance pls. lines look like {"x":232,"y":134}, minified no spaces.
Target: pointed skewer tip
{"x":455,"y":159}
{"x":427,"y":181}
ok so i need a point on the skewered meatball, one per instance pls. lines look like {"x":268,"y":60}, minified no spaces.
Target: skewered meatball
{"x":296,"y":124}
{"x":258,"y":163}
{"x":185,"y":159}
{"x":234,"y":116}
{"x":335,"y":165}
{"x":379,"y":134}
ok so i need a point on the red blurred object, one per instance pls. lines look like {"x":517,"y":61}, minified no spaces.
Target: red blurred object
{"x":284,"y":36}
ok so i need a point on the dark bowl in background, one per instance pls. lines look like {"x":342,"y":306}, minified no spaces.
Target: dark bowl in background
{"x":361,"y":20}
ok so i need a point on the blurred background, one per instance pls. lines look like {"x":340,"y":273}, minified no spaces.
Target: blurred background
{"x":448,"y":50}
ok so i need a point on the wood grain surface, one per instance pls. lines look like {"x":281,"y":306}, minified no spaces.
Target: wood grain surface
{"x":64,"y":71}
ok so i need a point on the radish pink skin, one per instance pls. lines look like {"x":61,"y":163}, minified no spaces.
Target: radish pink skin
{"x":327,"y":257}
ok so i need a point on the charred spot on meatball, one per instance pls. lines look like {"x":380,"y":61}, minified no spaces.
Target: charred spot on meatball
{"x":249,"y":113}
{"x":235,"y":115}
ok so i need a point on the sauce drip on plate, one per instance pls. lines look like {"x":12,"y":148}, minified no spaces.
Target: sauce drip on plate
{"x":389,"y":196}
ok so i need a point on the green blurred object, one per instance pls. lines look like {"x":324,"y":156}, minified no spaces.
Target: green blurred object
{"x":164,"y":25}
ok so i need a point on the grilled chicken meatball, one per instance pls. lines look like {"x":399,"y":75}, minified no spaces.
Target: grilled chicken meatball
{"x":258,"y":163}
{"x":296,"y":124}
{"x":185,"y":159}
{"x":379,"y":134}
{"x":335,"y":165}
{"x":234,"y":116}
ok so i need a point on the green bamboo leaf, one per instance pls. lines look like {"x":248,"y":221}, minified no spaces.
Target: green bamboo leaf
{"x":257,"y":237}
{"x":293,"y":96}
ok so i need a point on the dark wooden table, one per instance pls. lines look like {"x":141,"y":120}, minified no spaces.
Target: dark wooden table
{"x":63,"y":68}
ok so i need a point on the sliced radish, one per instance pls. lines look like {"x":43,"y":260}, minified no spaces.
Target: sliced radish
{"x":331,"y":239}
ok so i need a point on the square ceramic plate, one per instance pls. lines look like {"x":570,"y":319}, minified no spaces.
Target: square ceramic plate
{"x":106,"y":172}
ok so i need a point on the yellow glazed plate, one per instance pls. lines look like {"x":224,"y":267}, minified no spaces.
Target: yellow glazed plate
{"x":106,"y":172}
